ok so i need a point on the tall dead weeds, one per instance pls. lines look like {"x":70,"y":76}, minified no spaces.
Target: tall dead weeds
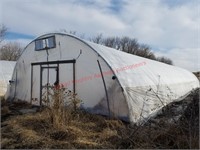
{"x":61,"y":104}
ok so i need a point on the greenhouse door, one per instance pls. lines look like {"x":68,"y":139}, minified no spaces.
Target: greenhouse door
{"x":49,"y":78}
{"x":45,"y":76}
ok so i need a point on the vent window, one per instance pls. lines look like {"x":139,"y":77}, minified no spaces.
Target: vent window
{"x":45,"y":43}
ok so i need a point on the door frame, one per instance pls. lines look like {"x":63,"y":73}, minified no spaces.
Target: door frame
{"x":42,"y":68}
{"x":41,"y":64}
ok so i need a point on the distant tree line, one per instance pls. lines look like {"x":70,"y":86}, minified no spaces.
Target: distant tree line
{"x":8,"y":50}
{"x":12,"y":50}
{"x":128,"y":45}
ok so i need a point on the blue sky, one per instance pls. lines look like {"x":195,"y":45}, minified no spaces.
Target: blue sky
{"x":15,"y":35}
{"x":170,"y":27}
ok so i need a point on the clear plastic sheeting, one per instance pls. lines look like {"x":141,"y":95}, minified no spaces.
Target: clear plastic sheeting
{"x":6,"y":71}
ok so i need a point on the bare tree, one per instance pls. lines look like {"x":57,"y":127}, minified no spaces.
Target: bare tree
{"x":123,"y":43}
{"x":145,"y":51}
{"x":3,"y":31}
{"x":164,"y":60}
{"x":110,"y":42}
{"x":131,"y":45}
{"x":97,"y":39}
{"x":72,"y":32}
{"x":10,"y":51}
{"x":113,"y":42}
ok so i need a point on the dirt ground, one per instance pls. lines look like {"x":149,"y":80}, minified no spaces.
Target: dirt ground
{"x":26,"y":127}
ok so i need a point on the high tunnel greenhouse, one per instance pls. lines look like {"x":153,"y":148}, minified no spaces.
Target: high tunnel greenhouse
{"x":108,"y":81}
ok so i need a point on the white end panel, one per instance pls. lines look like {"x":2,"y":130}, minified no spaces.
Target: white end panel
{"x":36,"y":85}
{"x":66,"y":75}
{"x":6,"y":71}
{"x":88,"y":81}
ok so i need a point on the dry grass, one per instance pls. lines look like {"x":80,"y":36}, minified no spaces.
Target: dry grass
{"x":61,"y":105}
{"x":36,"y":131}
{"x":86,"y":131}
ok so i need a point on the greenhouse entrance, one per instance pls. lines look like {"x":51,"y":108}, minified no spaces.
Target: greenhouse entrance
{"x":48,"y":75}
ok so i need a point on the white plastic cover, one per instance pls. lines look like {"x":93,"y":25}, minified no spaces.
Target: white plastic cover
{"x":6,"y":70}
{"x":148,"y":85}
